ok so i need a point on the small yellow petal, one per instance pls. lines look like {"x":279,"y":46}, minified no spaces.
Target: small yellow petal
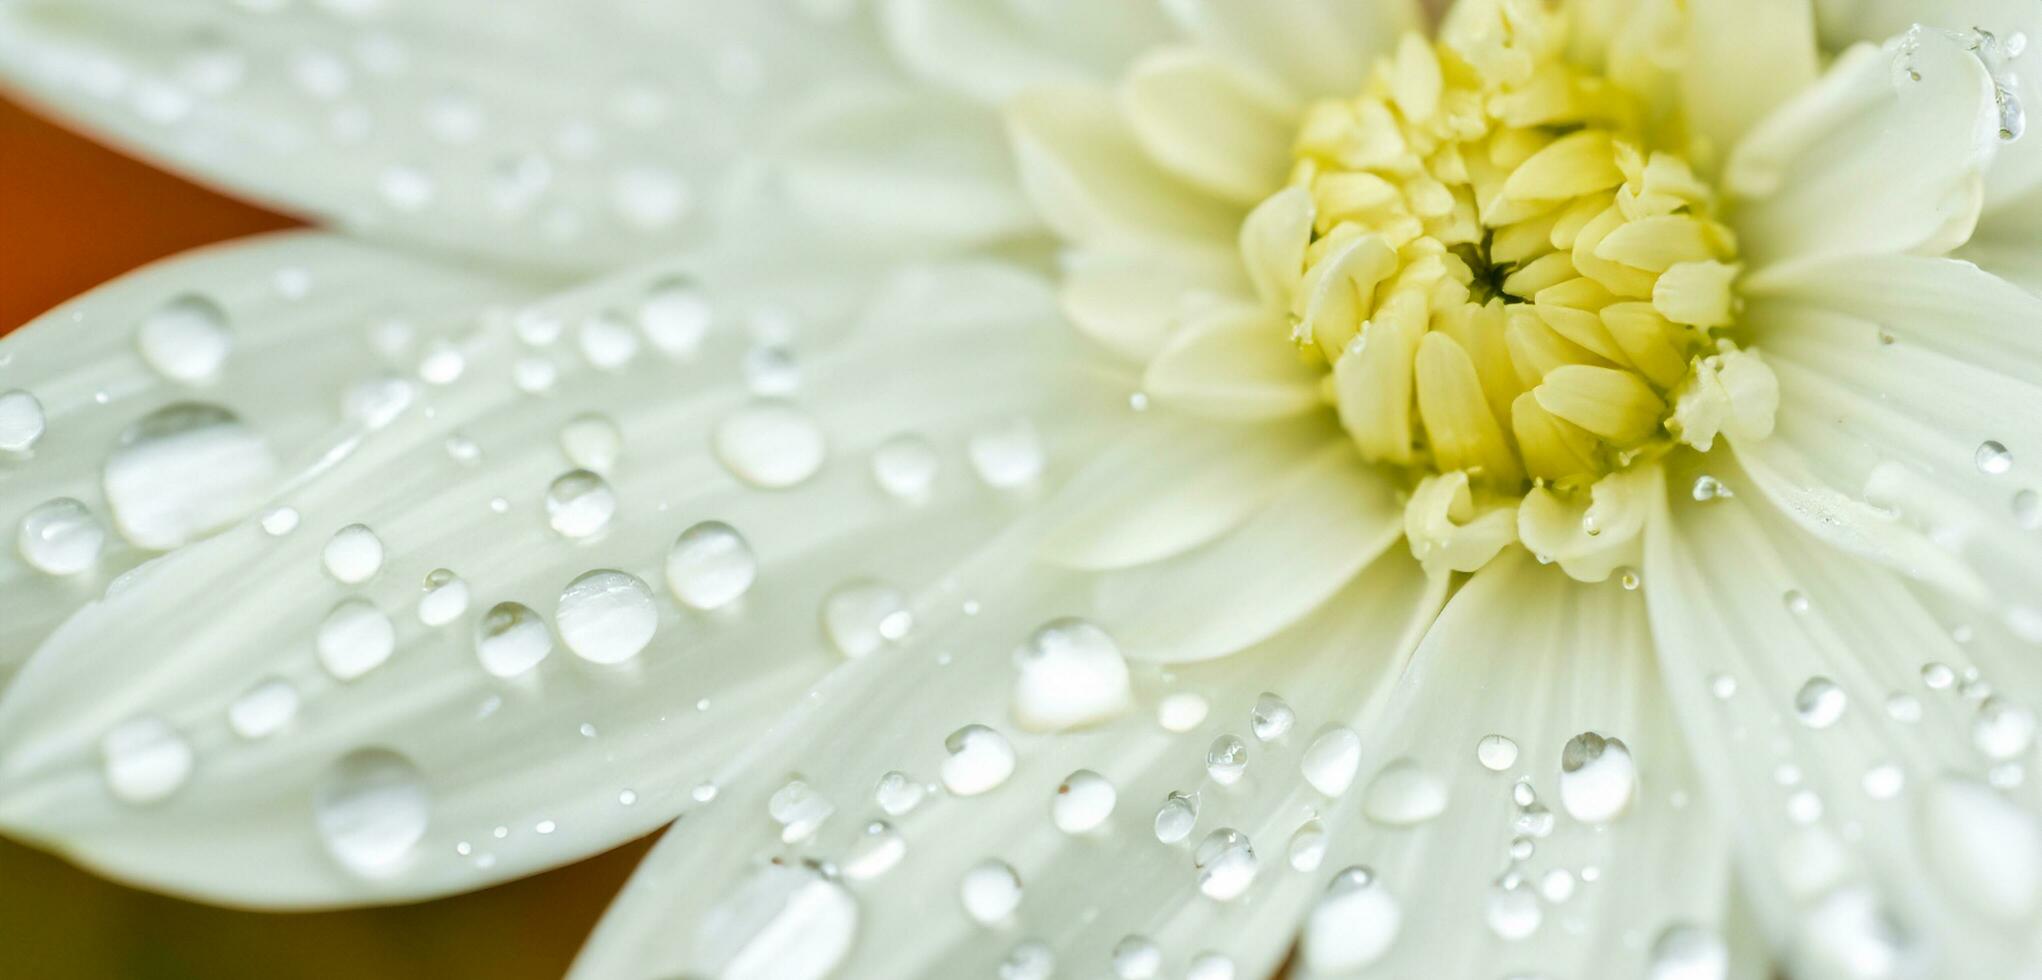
{"x":1458,"y":423}
{"x":1655,"y":244}
{"x":1616,"y":405}
{"x":1696,"y":293}
{"x":1573,"y":165}
{"x":1650,"y":341}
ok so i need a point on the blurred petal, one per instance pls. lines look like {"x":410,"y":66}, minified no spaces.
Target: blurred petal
{"x":994,"y":49}
{"x":1316,"y":47}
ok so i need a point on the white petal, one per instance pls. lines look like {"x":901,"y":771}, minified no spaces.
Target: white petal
{"x":290,"y":359}
{"x":568,"y":755}
{"x":1081,"y":895}
{"x":1334,"y":517}
{"x":1211,"y":123}
{"x":1128,"y":299}
{"x":1886,"y":153}
{"x":1743,"y":58}
{"x":1235,"y":363}
{"x":1799,"y":675}
{"x":1317,"y":47}
{"x":995,"y":49}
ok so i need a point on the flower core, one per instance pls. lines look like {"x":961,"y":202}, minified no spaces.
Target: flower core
{"x":1515,"y":291}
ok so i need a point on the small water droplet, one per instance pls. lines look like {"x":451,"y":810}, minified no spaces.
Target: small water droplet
{"x":1070,"y":674}
{"x":1083,"y":802}
{"x":1796,"y":601}
{"x":1883,"y":781}
{"x":1137,"y":958}
{"x":1226,"y":864}
{"x":186,"y":340}
{"x":592,"y":442}
{"x":710,"y":566}
{"x":1993,"y":458}
{"x":355,"y":638}
{"x":1308,"y":846}
{"x":1405,"y":793}
{"x":145,"y":760}
{"x":1271,"y":718}
{"x":1496,"y":753}
{"x":511,"y":639}
{"x":1820,"y":702}
{"x":1331,"y":761}
{"x":1226,"y":760}
{"x":1009,"y":456}
{"x":445,"y":598}
{"x":861,"y":617}
{"x":263,"y":710}
{"x":184,"y":470}
{"x":353,"y":555}
{"x":406,"y":188}
{"x":371,"y":809}
{"x":61,"y":537}
{"x":799,"y":810}
{"x":704,"y":792}
{"x":991,"y":891}
{"x":1176,"y":817}
{"x":905,"y":467}
{"x":607,"y":342}
{"x":279,"y":521}
{"x":1181,"y":712}
{"x":2027,"y":507}
{"x":1709,"y":488}
{"x":21,"y":421}
{"x":580,"y":504}
{"x":897,"y":793}
{"x":2002,"y":729}
{"x":675,"y":317}
{"x":443,"y":363}
{"x":770,"y":445}
{"x":1688,"y":952}
{"x":875,"y":852}
{"x":1030,"y":959}
{"x":979,"y":760}
{"x":1723,"y":686}
{"x":1598,"y":778}
{"x":771,"y":371}
{"x":1937,"y":676}
{"x":1903,"y":707}
{"x":606,"y":616}
{"x":1512,"y":911}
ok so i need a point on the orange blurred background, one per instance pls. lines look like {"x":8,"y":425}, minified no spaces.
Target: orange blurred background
{"x":74,"y":215}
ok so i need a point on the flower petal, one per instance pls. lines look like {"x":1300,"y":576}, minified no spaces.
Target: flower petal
{"x":1863,"y":814}
{"x":1771,"y":45}
{"x":1235,"y":363}
{"x":404,"y":768}
{"x":1083,"y":893}
{"x":1129,"y":298}
{"x":994,"y":50}
{"x":282,"y":334}
{"x":1211,"y":123}
{"x":1885,"y":154}
{"x":1317,"y":47}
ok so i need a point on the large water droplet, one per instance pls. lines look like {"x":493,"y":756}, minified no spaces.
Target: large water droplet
{"x":511,"y":639}
{"x":355,"y":638}
{"x":770,"y":445}
{"x":353,"y":555}
{"x":1993,"y":458}
{"x":1352,"y":925}
{"x":905,"y":467}
{"x":145,"y":760}
{"x":1985,"y":846}
{"x":371,"y":810}
{"x":263,"y":710}
{"x":606,"y":616}
{"x":1083,"y":802}
{"x":1332,"y":760}
{"x":783,"y":923}
{"x":862,"y":616}
{"x":21,"y":421}
{"x":186,"y":339}
{"x":1820,"y":702}
{"x":592,"y":442}
{"x":1071,"y":674}
{"x":1688,"y":952}
{"x":1271,"y":718}
{"x":1597,"y":777}
{"x":184,"y":470}
{"x":1226,"y":759}
{"x":710,"y":566}
{"x":580,"y":504}
{"x":1176,"y":817}
{"x":991,"y":891}
{"x":445,"y":598}
{"x":61,"y":537}
{"x":1404,"y":793}
{"x":980,"y":759}
{"x":1226,"y":864}
{"x":799,"y":810}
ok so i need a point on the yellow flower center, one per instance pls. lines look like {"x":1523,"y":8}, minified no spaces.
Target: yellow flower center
{"x":1514,"y":290}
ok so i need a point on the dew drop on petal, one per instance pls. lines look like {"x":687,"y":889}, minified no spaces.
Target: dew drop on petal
{"x":21,"y":421}
{"x":1512,"y":911}
{"x":1271,"y":718}
{"x":371,"y":809}
{"x":2027,"y":507}
{"x":1070,"y":674}
{"x":145,"y":760}
{"x":1181,"y":712}
{"x":1210,"y":966}
{"x":1083,"y":803}
{"x":770,"y":445}
{"x":979,"y":760}
{"x":1137,"y":958}
{"x":1597,"y":778}
{"x":279,"y":521}
{"x":1883,"y":781}
{"x":862,"y":616}
{"x":606,"y":616}
{"x":1405,"y":793}
{"x":1308,"y":846}
{"x":1008,"y":456}
{"x":607,"y":342}
{"x":1993,"y":458}
{"x":991,"y":891}
{"x":355,"y":638}
{"x":675,"y":317}
{"x":186,"y":339}
{"x":580,"y":504}
{"x":61,"y":537}
{"x":1819,"y":702}
{"x":710,"y":566}
{"x":592,"y":442}
{"x":875,"y":852}
{"x":1331,"y":761}
{"x":799,"y":810}
{"x":1226,"y":760}
{"x":263,"y":710}
{"x":1352,"y":925}
{"x":771,"y":370}
{"x":1030,"y":959}
{"x":184,"y":470}
{"x":353,"y":555}
{"x":1176,"y":817}
{"x":897,"y":793}
{"x":1226,"y":864}
{"x":905,"y":467}
{"x":511,"y":639}
{"x":1688,"y":952}
{"x":1496,"y":753}
{"x":445,"y":598}
{"x":377,"y":402}
{"x":2002,"y":729}
{"x":783,"y":922}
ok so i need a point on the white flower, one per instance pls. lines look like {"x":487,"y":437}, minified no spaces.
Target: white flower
{"x":684,"y":421}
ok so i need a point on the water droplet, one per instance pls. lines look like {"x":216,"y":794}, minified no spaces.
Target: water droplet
{"x":1723,"y":686}
{"x":592,"y":442}
{"x":1937,"y":676}
{"x":1308,"y":846}
{"x":799,"y":810}
{"x":2013,"y":119}
{"x":1030,"y":959}
{"x":860,"y":617}
{"x":1226,"y":760}
{"x":2027,"y":508}
{"x":905,"y":467}
{"x":535,"y":375}
{"x":1226,"y":864}
{"x":1405,"y":793}
{"x":21,"y":421}
{"x":371,"y":810}
{"x":445,"y":598}
{"x":897,"y":793}
{"x":511,"y":639}
{"x":1352,"y":925}
{"x":875,"y":852}
{"x":580,"y":504}
{"x":186,"y":339}
{"x":1820,"y":702}
{"x":1709,"y":488}
{"x":991,"y":891}
{"x":1176,"y":817}
{"x":263,"y":710}
{"x":1557,"y":885}
{"x":406,"y":188}
{"x":1903,"y":708}
{"x":770,"y":445}
{"x":786,"y":922}
{"x":145,"y":760}
{"x":377,"y":402}
{"x":1083,"y":802}
{"x":1332,"y":760}
{"x":1688,"y":952}
{"x":443,"y":363}
{"x":675,"y":317}
{"x":279,"y":521}
{"x":649,"y":197}
{"x":355,"y":638}
{"x":1008,"y":456}
{"x":710,"y":566}
{"x":1181,"y":712}
{"x":353,"y":555}
{"x":2002,"y":729}
{"x":1496,"y":753}
{"x":704,"y":792}
{"x":627,"y":797}
{"x":980,"y":759}
{"x":1993,"y":459}
{"x":1883,"y":781}
{"x":1534,"y":819}
{"x":771,"y":371}
{"x":606,"y":616}
{"x":1597,"y":777}
{"x":1271,"y":718}
{"x":1210,"y":966}
{"x":61,"y":537}
{"x":1513,"y":911}
{"x":1796,"y":601}
{"x":607,"y":342}
{"x":1137,"y":958}
{"x":184,"y":470}
{"x":1071,"y":674}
